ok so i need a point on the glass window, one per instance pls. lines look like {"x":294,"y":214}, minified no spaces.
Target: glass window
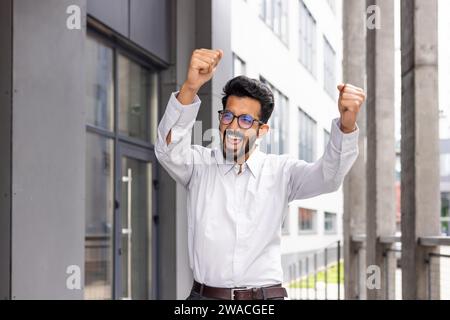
{"x":275,"y":14}
{"x":276,"y":141}
{"x":445,"y":213}
{"x":284,"y":28}
{"x":332,"y":4}
{"x":136,"y":211}
{"x":269,"y":4}
{"x":99,"y":85}
{"x":307,"y":220}
{"x":330,"y":223}
{"x":99,"y":217}
{"x":137,"y":99}
{"x":136,"y":108}
{"x":329,"y":76}
{"x":445,"y":164}
{"x":262,"y":9}
{"x":307,"y":39}
{"x":277,"y":17}
{"x":307,"y":137}
{"x":239,"y":68}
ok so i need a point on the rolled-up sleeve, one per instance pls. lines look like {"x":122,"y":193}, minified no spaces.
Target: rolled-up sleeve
{"x":326,"y":175}
{"x":177,"y":157}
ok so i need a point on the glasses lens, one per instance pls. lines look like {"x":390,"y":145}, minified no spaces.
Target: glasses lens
{"x":227,"y":117}
{"x":245,"y":121}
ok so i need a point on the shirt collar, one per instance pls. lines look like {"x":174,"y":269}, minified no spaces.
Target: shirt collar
{"x":254,"y":162}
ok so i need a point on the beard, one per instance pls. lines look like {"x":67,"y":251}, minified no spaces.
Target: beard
{"x":234,"y":153}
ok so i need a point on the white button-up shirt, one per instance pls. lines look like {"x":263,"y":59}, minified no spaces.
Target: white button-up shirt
{"x":234,"y":220}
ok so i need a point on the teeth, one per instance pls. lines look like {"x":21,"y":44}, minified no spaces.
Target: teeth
{"x":232,"y":136}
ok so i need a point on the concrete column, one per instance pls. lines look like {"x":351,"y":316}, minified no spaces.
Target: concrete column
{"x":42,"y":143}
{"x":354,"y":65}
{"x":6,"y":56}
{"x":420,"y":142}
{"x":380,"y":195}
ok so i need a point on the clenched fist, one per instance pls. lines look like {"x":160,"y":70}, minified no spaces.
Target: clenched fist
{"x":350,"y":100}
{"x":202,"y":67}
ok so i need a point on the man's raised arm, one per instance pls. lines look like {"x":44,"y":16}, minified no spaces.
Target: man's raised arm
{"x":173,"y":146}
{"x":327,"y":174}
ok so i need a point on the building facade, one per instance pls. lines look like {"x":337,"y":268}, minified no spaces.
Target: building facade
{"x":295,"y":46}
{"x":86,"y":211}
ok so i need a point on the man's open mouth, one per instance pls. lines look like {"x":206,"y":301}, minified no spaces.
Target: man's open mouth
{"x":233,"y":139}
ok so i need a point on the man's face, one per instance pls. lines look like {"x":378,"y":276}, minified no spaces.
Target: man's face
{"x":237,"y":141}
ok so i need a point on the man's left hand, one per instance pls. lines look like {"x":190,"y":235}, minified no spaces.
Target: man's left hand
{"x":351,"y":99}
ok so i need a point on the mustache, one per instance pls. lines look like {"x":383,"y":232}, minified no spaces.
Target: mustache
{"x":235,"y":133}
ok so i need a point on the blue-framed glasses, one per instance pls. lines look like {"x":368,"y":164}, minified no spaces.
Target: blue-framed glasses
{"x":245,"y":121}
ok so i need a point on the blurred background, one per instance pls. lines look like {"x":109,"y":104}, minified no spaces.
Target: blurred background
{"x":79,"y":107}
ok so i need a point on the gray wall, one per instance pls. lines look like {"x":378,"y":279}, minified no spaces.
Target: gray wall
{"x":175,"y":274}
{"x":146,"y":22}
{"x":113,"y":13}
{"x":5,"y":147}
{"x":48,"y":149}
{"x":167,"y":187}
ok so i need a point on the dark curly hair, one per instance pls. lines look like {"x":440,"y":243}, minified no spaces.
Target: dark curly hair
{"x":243,"y":86}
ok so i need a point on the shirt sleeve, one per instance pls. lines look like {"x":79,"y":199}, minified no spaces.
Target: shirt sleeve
{"x":307,"y":180}
{"x":177,"y":158}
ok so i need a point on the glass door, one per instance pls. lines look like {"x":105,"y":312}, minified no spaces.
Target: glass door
{"x":136,"y":235}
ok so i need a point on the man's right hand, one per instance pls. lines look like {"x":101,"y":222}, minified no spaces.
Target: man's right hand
{"x":202,"y":67}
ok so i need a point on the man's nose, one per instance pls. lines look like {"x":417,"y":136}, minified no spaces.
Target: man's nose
{"x":234,"y":124}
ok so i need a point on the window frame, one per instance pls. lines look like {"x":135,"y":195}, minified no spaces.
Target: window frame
{"x":313,"y":230}
{"x":307,"y":151}
{"x":120,"y":49}
{"x":243,"y":65}
{"x":283,"y":129}
{"x":334,"y":231}
{"x":307,"y":31}
{"x":329,"y":68}
{"x":269,"y":6}
{"x":120,"y":141}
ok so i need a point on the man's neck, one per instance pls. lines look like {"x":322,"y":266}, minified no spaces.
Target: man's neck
{"x":245,"y":157}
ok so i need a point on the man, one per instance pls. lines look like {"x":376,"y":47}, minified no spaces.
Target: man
{"x":237,"y":194}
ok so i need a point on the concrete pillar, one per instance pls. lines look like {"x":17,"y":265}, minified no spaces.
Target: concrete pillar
{"x":380,"y":204}
{"x":6,"y":56}
{"x":420,"y":142}
{"x":354,"y":65}
{"x":42,"y":121}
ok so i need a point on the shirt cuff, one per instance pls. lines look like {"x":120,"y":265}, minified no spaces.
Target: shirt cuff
{"x":343,"y":142}
{"x":179,"y":114}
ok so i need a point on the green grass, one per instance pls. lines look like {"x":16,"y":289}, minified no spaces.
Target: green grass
{"x":332,"y":277}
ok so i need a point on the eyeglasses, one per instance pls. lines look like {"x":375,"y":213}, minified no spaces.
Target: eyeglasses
{"x":245,"y":121}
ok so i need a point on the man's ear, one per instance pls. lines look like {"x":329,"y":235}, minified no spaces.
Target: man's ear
{"x":263,"y":129}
